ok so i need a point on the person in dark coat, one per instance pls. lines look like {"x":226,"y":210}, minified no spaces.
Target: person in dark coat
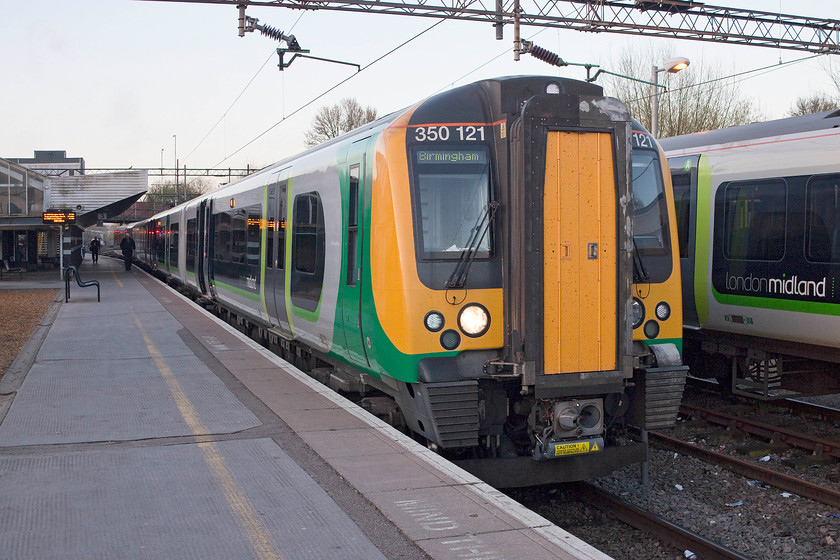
{"x":95,"y":244}
{"x":127,"y":248}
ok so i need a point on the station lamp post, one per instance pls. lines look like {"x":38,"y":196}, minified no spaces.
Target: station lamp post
{"x":672,"y":66}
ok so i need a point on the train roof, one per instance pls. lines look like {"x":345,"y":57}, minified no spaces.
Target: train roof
{"x":779,"y":127}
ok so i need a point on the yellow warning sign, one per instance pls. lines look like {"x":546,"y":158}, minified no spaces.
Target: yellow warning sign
{"x":571,"y":448}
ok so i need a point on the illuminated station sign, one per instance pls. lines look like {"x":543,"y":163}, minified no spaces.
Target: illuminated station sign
{"x":59,"y":217}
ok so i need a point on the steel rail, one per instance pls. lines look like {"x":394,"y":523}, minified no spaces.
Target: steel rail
{"x":653,"y":524}
{"x":751,"y":470}
{"x":819,"y":446}
{"x":803,"y":407}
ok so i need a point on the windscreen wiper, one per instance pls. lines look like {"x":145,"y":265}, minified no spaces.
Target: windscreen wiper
{"x":639,"y":272}
{"x":459,"y":276}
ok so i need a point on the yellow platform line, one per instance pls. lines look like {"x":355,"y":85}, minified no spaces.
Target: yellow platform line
{"x":259,"y":539}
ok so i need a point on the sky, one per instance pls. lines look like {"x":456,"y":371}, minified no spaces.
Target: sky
{"x":126,"y":83}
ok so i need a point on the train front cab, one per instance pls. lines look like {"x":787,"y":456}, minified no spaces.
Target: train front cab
{"x":568,"y":369}
{"x":586,"y":360}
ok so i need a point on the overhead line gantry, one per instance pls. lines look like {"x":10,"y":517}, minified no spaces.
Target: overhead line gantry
{"x":676,"y":19}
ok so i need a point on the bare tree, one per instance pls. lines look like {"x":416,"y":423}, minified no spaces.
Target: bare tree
{"x":815,"y":103}
{"x":695,"y":99}
{"x":166,"y":195}
{"x":333,"y":120}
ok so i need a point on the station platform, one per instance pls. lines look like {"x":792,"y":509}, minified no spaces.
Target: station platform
{"x":141,"y":426}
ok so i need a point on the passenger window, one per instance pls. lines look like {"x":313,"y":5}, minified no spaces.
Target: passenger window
{"x":822,"y":223}
{"x":192,"y":242}
{"x":308,"y":251}
{"x":755,"y":220}
{"x":306,"y":221}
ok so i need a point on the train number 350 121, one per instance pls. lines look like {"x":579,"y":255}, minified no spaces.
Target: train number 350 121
{"x":443,"y":133}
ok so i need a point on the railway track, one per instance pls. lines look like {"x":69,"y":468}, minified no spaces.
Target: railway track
{"x":820,"y":447}
{"x":654,"y":525}
{"x":751,"y":470}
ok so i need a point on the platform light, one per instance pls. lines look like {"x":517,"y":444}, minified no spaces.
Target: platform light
{"x":672,"y":66}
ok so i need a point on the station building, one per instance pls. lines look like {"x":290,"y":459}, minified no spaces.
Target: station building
{"x":47,"y":201}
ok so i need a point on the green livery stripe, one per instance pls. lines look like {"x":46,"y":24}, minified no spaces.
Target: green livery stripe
{"x":702,"y":235}
{"x":814,"y":307}
{"x":238,"y":291}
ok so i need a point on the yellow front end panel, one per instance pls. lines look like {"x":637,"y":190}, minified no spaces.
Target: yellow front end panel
{"x":580,"y":251}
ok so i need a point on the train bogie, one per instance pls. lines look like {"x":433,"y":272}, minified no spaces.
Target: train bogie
{"x":471,"y":258}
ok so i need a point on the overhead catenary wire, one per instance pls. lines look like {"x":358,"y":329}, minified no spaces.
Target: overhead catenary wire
{"x":241,"y":93}
{"x":328,"y":90}
{"x":763,"y":70}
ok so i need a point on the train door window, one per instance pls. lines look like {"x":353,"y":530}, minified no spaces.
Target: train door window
{"x":755,"y":219}
{"x":281,"y":233}
{"x":308,"y":252}
{"x":253,"y":239}
{"x":682,"y":203}
{"x":276,"y":223}
{"x":452,"y":197}
{"x":173,"y":245}
{"x":271,"y":224}
{"x":822,"y":222}
{"x":192,"y":242}
{"x":352,"y":224}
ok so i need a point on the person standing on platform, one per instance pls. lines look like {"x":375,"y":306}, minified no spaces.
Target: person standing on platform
{"x":127,"y":248}
{"x":95,"y":245}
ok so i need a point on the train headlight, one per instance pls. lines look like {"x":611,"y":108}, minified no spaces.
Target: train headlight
{"x":474,"y":320}
{"x":637,"y":312}
{"x":450,"y":339}
{"x":434,"y":321}
{"x":651,"y":329}
{"x":663,"y":310}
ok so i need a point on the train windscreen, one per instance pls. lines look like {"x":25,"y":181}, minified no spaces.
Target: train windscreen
{"x":452,"y":195}
{"x":651,"y":236}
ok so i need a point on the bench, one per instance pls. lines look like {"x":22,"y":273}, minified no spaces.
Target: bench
{"x":9,"y":270}
{"x":73,"y":271}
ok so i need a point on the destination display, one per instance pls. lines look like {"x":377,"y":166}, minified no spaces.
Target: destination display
{"x":59,"y":217}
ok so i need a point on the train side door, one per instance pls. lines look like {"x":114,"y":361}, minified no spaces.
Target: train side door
{"x":210,"y":253}
{"x":200,"y":256}
{"x":351,"y":306}
{"x":276,"y":253}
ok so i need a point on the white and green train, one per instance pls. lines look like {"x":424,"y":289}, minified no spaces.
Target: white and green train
{"x":469,"y":266}
{"x":758,"y":216}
